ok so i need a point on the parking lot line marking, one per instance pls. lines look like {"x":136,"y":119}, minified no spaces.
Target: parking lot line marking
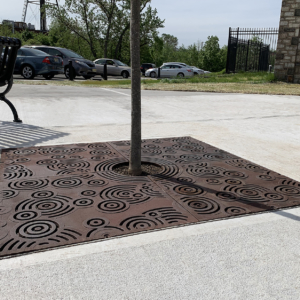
{"x":116,"y":92}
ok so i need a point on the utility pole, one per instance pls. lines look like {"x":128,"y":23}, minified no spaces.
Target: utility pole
{"x":135,"y":146}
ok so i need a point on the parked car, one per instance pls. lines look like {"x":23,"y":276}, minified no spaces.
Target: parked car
{"x":83,"y":67}
{"x":33,"y":62}
{"x":177,"y":63}
{"x":170,"y":70}
{"x":197,"y":71}
{"x":146,"y":66}
{"x":114,"y":67}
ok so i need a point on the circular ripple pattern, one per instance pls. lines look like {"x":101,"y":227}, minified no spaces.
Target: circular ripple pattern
{"x":24,"y":152}
{"x":97,"y":182}
{"x":251,"y":193}
{"x":233,"y":181}
{"x":151,"y":146}
{"x":56,"y":151}
{"x":101,"y":152}
{"x":140,"y":223}
{"x":151,"y":151}
{"x":188,"y":190}
{"x":97,"y":146}
{"x":204,"y":171}
{"x":185,"y":179}
{"x":29,"y":184}
{"x":88,"y":193}
{"x":22,"y":160}
{"x":98,"y":158}
{"x":288,"y":190}
{"x":42,"y":194}
{"x":202,"y":205}
{"x":226,"y":196}
{"x":124,"y":192}
{"x":7,"y":194}
{"x":267,"y":177}
{"x":169,"y":150}
{"x":83,"y":202}
{"x":76,"y":157}
{"x":96,"y":222}
{"x":235,"y":174}
{"x":216,"y":156}
{"x":58,"y":156}
{"x":16,"y":172}
{"x":275,"y":197}
{"x":25,"y":215}
{"x":50,"y":207}
{"x":37,"y":229}
{"x":67,"y":183}
{"x":113,"y":206}
{"x":47,"y":162}
{"x":234,"y":210}
{"x":213,"y":181}
{"x":70,"y":164}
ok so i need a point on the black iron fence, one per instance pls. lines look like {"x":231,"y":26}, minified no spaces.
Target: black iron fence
{"x":251,"y":49}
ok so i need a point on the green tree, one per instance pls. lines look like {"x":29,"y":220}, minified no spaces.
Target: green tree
{"x":156,"y":50}
{"x":104,"y":25}
{"x":211,"y":55}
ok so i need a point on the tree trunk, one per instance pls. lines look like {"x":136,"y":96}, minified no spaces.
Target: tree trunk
{"x":135,"y":148}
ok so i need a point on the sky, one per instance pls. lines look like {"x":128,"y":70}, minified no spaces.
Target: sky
{"x":191,"y":20}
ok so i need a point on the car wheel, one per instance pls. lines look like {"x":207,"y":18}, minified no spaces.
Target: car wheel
{"x":87,"y":77}
{"x":195,"y":73}
{"x":67,"y":72}
{"x":125,"y":74}
{"x":48,"y":76}
{"x":153,"y":75}
{"x":180,"y":75}
{"x":27,"y":72}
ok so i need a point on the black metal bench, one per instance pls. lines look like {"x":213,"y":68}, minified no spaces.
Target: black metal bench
{"x":8,"y":55}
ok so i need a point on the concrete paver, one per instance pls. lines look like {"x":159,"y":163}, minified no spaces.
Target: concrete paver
{"x":252,"y":257}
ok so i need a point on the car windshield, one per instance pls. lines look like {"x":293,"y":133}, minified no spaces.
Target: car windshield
{"x":33,"y":52}
{"x":70,"y":53}
{"x":119,"y":63}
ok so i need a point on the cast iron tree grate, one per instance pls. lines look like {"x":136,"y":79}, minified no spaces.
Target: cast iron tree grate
{"x":60,"y":195}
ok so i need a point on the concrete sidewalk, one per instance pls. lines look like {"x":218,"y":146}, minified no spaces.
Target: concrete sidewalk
{"x":252,"y":257}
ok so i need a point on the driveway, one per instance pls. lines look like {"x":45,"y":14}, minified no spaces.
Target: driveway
{"x":251,"y":257}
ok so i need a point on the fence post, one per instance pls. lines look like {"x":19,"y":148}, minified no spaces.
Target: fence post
{"x":158,"y":71}
{"x":246,"y":65}
{"x":228,"y":51}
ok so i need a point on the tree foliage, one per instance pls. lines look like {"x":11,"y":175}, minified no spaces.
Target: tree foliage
{"x":100,"y":28}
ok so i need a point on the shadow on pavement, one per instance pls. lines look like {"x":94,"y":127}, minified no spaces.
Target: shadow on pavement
{"x":24,"y":135}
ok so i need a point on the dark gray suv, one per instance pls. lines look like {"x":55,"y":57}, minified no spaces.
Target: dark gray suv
{"x":83,"y":67}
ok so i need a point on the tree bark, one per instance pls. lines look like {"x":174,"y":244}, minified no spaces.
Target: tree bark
{"x":135,"y":148}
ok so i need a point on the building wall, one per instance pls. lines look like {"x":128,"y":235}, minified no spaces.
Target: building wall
{"x":287,"y":63}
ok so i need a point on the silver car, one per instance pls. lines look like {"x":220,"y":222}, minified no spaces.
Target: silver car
{"x":114,"y":67}
{"x":197,"y":71}
{"x":170,"y":70}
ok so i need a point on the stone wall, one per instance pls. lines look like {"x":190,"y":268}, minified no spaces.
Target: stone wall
{"x":287,"y":63}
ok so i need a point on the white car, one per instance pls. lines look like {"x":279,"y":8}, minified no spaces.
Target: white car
{"x":114,"y":67}
{"x":170,"y":70}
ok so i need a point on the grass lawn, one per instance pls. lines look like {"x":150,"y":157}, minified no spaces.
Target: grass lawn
{"x":247,"y":83}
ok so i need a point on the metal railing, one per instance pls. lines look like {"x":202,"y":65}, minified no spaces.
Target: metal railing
{"x":251,"y":49}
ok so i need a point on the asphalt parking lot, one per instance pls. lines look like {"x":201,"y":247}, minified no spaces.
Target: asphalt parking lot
{"x":251,"y":257}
